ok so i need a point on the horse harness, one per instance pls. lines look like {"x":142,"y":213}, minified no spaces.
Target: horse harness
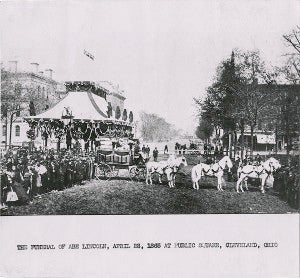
{"x":258,"y":173}
{"x":174,"y":168}
{"x":211,"y":169}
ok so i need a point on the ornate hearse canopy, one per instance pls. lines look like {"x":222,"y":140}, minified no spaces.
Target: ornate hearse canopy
{"x":84,"y":107}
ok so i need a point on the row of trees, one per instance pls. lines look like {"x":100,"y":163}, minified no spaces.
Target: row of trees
{"x":155,"y":128}
{"x":245,"y":92}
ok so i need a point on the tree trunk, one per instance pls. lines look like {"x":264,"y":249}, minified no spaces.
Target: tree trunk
{"x":242,"y":139}
{"x":288,"y":138}
{"x":230,"y":144}
{"x":276,"y":138}
{"x":235,"y":144}
{"x":252,"y":140}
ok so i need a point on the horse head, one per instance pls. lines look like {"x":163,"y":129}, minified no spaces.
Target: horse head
{"x":182,"y":161}
{"x":226,"y":161}
{"x":171,"y":158}
{"x":177,"y":162}
{"x":272,"y":164}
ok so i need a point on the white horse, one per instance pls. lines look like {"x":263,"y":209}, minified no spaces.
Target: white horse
{"x":262,"y":172}
{"x":213,"y":170}
{"x":168,"y":167}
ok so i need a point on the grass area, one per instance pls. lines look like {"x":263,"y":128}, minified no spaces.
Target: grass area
{"x":127,"y":197}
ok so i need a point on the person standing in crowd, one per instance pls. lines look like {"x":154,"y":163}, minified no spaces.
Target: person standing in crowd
{"x":53,"y":174}
{"x":5,"y":186}
{"x":69,"y":139}
{"x":148,"y":151}
{"x":166,"y":149}
{"x":143,"y":149}
{"x":131,"y":147}
{"x":40,"y":177}
{"x":18,"y":186}
{"x":69,"y":173}
{"x":155,"y":154}
{"x":137,"y":148}
{"x":28,"y":175}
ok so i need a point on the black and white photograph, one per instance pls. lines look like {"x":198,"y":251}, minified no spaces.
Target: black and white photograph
{"x":149,"y":108}
{"x":168,"y":110}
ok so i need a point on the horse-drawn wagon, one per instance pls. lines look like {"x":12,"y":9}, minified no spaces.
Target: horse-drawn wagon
{"x":108,"y":164}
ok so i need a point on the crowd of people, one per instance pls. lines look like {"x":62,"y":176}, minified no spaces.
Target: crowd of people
{"x":25,"y":175}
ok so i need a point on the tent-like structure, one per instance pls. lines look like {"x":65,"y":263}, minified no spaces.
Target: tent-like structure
{"x":80,"y":105}
{"x":82,"y":114}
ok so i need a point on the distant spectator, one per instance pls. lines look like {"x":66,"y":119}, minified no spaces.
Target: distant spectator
{"x":147,"y":149}
{"x":155,"y":154}
{"x":143,"y":149}
{"x":166,"y":149}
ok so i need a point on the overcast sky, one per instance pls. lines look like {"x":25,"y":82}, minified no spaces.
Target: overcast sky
{"x":161,"y":53}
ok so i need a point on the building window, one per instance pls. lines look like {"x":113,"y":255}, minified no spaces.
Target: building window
{"x":4,"y":130}
{"x":17,"y":131}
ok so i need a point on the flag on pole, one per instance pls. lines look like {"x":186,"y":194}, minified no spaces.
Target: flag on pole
{"x":88,"y":54}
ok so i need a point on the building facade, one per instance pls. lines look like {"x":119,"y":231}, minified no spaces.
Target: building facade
{"x":24,"y":93}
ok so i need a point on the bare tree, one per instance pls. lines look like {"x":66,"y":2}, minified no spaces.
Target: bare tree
{"x":293,"y":39}
{"x":291,"y":69}
{"x":155,"y":128}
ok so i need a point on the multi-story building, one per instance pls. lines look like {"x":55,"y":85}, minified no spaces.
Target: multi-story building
{"x":36,"y":91}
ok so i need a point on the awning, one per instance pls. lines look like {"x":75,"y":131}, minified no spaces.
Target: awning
{"x":265,"y":139}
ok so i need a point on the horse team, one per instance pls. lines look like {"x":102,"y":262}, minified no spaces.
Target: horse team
{"x":170,"y":168}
